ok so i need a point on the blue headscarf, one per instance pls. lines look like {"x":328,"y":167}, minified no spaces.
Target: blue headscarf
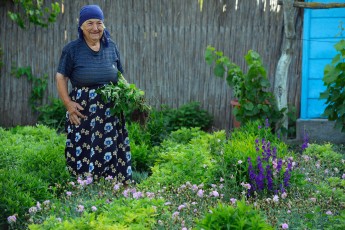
{"x":92,"y":12}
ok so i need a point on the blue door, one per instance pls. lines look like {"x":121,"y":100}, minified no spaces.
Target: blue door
{"x":321,"y":32}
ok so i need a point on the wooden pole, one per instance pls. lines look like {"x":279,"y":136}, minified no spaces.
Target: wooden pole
{"x":315,"y":5}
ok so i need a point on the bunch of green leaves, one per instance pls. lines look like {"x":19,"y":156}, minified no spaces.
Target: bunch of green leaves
{"x":53,"y":114}
{"x":125,"y":97}
{"x":333,"y":79}
{"x":39,"y":85}
{"x":35,"y":12}
{"x":242,"y":216}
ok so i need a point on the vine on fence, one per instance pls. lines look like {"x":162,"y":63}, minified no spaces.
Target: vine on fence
{"x":35,"y":13}
{"x":39,"y":85}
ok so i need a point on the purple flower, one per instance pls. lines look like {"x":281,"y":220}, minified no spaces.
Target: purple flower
{"x":269,"y":178}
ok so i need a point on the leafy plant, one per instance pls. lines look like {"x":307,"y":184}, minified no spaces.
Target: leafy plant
{"x":251,"y":89}
{"x":189,"y":115}
{"x":333,"y":79}
{"x":35,"y":12}
{"x":124,"y":96}
{"x":32,"y":160}
{"x":242,"y":216}
{"x":39,"y":85}
{"x":52,"y":114}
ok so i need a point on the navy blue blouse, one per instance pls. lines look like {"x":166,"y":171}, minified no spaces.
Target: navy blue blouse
{"x":86,"y":67}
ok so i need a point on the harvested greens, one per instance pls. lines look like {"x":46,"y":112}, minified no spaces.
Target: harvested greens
{"x":125,"y":97}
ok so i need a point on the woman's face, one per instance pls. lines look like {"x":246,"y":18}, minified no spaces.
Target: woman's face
{"x":93,"y":29}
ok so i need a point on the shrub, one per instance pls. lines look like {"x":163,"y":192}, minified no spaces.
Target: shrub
{"x":31,"y":160}
{"x":242,"y":216}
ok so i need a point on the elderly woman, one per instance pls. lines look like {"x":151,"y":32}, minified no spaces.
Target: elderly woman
{"x":97,"y":142}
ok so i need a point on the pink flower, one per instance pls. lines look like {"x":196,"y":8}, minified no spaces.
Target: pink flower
{"x":285,"y":226}
{"x":175,"y":214}
{"x":181,"y":207}
{"x":33,"y":210}
{"x":343,"y":176}
{"x":276,"y":198}
{"x":116,"y":187}
{"x":68,"y":193}
{"x":215,"y":194}
{"x":313,"y":199}
{"x":125,"y":193}
{"x":233,"y":200}
{"x":200,"y":193}
{"x":109,"y":178}
{"x":80,"y":208}
{"x":137,"y":195}
{"x":93,"y":208}
{"x":194,"y":187}
{"x":38,"y":205}
{"x":11,"y":219}
{"x":46,"y":202}
{"x":288,"y":211}
{"x":329,"y":212}
{"x":221,"y":179}
{"x":284,"y":195}
{"x":150,"y":194}
{"x":167,"y":203}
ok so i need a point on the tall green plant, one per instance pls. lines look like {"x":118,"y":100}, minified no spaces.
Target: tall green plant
{"x":333,"y":79}
{"x":252,"y":89}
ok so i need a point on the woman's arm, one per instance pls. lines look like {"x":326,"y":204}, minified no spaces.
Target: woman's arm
{"x":72,"y":107}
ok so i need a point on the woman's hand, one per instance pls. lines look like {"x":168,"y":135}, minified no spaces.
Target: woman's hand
{"x":74,"y":111}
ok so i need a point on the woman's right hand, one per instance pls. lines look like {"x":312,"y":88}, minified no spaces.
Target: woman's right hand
{"x":74,"y":111}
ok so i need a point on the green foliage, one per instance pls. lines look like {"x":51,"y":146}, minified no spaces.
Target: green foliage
{"x":242,"y":216}
{"x":251,"y":88}
{"x":53,"y":114}
{"x":31,"y":160}
{"x":189,"y":115}
{"x":35,"y":12}
{"x":39,"y":85}
{"x":333,"y":79}
{"x":121,"y":213}
{"x":179,"y":162}
{"x":326,"y":156}
{"x":242,"y":142}
{"x":125,"y":97}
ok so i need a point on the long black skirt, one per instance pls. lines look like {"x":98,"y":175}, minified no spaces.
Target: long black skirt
{"x":99,"y":146}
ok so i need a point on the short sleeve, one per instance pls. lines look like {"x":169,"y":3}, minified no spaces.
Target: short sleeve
{"x":65,"y":64}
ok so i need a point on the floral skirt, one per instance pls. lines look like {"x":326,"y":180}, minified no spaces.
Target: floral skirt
{"x":99,"y":146}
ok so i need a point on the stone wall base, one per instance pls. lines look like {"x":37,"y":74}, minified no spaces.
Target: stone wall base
{"x":319,"y":131}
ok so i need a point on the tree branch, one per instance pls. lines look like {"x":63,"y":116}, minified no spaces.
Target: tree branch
{"x":315,"y":5}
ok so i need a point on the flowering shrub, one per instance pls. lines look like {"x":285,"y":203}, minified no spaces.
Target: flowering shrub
{"x":270,"y":174}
